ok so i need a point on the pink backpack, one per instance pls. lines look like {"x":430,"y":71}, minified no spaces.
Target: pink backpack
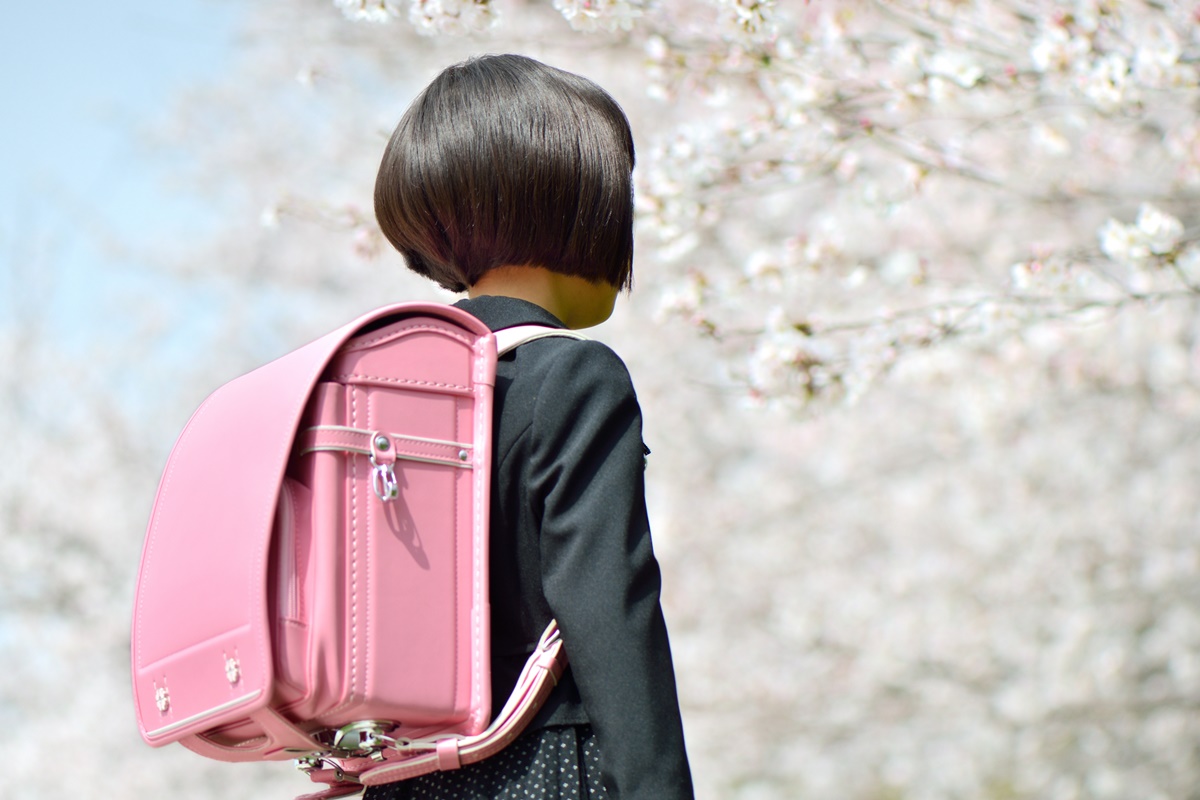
{"x":314,"y":581}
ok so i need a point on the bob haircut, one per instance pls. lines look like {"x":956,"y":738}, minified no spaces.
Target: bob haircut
{"x":505,"y":161}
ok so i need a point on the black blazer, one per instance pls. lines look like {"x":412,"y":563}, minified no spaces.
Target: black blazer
{"x":570,"y":540}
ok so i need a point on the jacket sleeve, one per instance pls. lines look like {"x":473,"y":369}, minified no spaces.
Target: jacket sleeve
{"x":599,"y":574}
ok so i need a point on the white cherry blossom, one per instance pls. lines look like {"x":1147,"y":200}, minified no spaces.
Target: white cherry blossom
{"x":597,"y":15}
{"x":1160,"y":231}
{"x":1107,"y":82}
{"x":369,"y":10}
{"x":451,"y":17}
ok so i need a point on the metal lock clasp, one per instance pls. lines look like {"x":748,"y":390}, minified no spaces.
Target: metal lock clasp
{"x":361,"y":738}
{"x":383,"y":464}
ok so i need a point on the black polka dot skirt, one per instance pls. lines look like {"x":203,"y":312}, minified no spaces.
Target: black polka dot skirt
{"x":555,"y":763}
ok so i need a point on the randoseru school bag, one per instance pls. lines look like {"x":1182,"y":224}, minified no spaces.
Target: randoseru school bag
{"x":314,"y":580}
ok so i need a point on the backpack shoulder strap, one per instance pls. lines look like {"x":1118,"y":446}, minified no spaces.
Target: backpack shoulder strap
{"x":510,"y":339}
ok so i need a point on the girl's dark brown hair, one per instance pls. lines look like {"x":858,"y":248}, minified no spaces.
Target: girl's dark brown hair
{"x":503,"y":160}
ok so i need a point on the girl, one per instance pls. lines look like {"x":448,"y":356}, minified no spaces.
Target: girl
{"x":512,"y":180}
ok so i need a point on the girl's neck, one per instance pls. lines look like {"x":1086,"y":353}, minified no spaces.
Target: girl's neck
{"x":578,"y":302}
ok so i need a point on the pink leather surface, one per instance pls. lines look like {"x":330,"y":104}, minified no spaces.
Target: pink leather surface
{"x":542,"y":671}
{"x":315,"y":625}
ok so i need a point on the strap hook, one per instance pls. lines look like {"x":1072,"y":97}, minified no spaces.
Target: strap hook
{"x":383,"y":473}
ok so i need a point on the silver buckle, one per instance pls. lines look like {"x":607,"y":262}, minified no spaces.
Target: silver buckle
{"x":383,"y":481}
{"x":383,"y":475}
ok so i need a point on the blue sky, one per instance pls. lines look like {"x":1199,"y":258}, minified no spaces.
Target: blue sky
{"x":81,"y":83}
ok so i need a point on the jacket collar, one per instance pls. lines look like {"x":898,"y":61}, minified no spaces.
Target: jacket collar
{"x":499,"y":313}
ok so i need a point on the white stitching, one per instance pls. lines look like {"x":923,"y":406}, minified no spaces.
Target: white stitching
{"x":453,"y":331}
{"x":349,"y":376}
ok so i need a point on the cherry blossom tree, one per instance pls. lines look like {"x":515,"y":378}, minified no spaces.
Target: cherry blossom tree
{"x":915,"y":335}
{"x":1063,"y":135}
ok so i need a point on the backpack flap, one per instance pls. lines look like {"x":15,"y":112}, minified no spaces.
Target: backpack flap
{"x":201,"y":643}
